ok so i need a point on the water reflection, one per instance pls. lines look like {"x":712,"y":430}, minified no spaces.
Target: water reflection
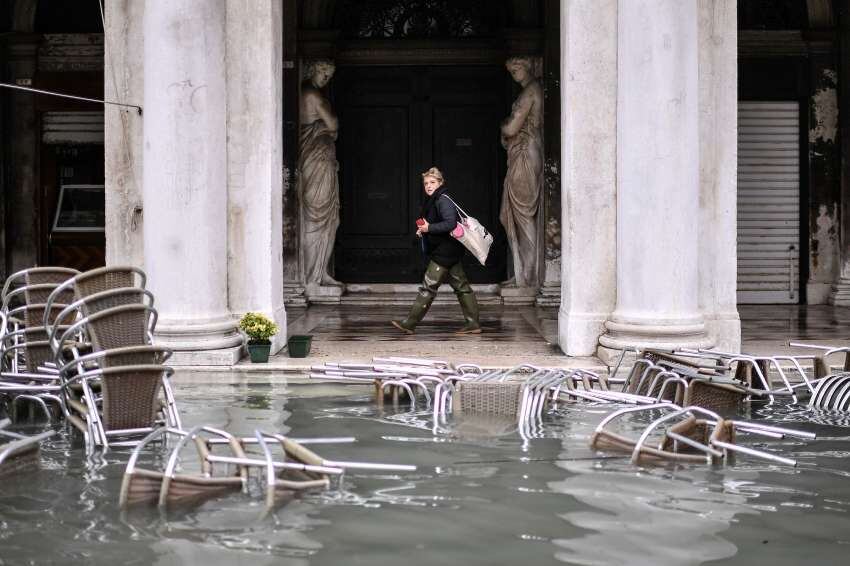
{"x":653,"y":517}
{"x":481,"y":495}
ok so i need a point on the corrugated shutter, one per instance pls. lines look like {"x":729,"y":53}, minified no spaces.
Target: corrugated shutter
{"x":72,"y":127}
{"x":768,"y":202}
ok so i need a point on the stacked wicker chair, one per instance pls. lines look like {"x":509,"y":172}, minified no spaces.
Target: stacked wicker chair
{"x":114,"y":382}
{"x":28,"y":373}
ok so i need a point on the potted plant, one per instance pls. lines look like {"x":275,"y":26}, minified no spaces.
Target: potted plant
{"x":259,"y":328}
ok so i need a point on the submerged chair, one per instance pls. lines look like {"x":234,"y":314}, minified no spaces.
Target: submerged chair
{"x":295,"y":470}
{"x":693,"y":435}
{"x":129,"y":404}
{"x":284,"y":482}
{"x":19,"y":452}
{"x":169,"y":487}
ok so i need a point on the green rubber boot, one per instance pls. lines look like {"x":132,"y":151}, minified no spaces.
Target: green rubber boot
{"x":434,"y":276}
{"x":467,"y":300}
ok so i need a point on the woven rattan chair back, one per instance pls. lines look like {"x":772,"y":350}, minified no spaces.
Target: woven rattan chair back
{"x":106,"y":279}
{"x":131,"y":396}
{"x":35,"y":294}
{"x":717,"y":397}
{"x":134,"y":356}
{"x":691,"y":427}
{"x":36,"y":276}
{"x":37,"y":353}
{"x":33,"y":314}
{"x":41,"y":275}
{"x":115,"y":298}
{"x":492,"y":398}
{"x":121,"y":326}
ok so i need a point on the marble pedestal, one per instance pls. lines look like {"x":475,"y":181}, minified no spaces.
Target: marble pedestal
{"x":323,"y":294}
{"x":518,"y":295}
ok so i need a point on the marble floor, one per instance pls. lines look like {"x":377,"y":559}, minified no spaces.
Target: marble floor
{"x":511,"y":335}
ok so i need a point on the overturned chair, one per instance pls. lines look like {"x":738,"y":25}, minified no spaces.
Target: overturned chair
{"x":692,"y":435}
{"x":286,"y":468}
{"x":169,"y":487}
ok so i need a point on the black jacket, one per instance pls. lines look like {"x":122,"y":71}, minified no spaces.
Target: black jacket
{"x":442,"y":218}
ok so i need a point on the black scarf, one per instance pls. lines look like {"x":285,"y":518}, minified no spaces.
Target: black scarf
{"x":431,"y":201}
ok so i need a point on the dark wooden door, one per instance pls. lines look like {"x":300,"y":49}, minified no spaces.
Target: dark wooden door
{"x":396,"y":122}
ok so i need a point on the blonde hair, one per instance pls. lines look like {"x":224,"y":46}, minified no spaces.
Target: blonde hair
{"x":434,"y":172}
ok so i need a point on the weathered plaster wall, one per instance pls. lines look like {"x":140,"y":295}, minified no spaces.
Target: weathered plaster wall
{"x":123,"y":135}
{"x":824,"y":181}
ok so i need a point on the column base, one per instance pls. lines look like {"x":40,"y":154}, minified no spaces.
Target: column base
{"x":840,"y":293}
{"x":725,"y":331}
{"x":201,"y":342}
{"x":578,"y":333}
{"x":625,"y":333}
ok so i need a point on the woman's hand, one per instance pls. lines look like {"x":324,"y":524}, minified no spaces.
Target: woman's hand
{"x":423,"y":228}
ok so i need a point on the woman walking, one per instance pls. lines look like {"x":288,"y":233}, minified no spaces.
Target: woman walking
{"x":437,"y":218}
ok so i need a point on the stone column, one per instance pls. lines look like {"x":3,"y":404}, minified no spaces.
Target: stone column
{"x":254,"y":160}
{"x":123,"y":81}
{"x":718,"y":141}
{"x":841,"y":291}
{"x":185,"y":178}
{"x":588,"y":172}
{"x":657,"y":178}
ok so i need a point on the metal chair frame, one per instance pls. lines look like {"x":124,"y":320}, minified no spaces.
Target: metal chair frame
{"x":93,"y":429}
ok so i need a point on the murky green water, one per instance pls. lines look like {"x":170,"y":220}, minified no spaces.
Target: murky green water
{"x":480,"y":496}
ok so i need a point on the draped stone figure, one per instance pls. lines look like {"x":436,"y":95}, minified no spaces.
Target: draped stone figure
{"x":522,"y":138}
{"x":318,"y":185}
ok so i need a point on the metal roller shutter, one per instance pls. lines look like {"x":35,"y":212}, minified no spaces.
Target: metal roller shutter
{"x":768,"y":202}
{"x":72,"y":128}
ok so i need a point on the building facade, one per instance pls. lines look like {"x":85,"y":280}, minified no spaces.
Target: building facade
{"x":691,"y":154}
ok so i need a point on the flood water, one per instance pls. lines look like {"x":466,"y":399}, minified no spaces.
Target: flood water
{"x":481,"y":495}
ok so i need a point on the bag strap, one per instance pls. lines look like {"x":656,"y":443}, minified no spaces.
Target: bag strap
{"x":461,"y":211}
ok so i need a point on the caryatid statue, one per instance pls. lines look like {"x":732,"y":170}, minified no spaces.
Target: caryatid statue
{"x":318,"y":184}
{"x":522,"y":137}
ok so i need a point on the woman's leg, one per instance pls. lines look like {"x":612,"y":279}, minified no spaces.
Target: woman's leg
{"x":466,"y":298}
{"x":435,"y":275}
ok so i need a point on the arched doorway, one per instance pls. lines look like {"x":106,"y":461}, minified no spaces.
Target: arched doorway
{"x":422,"y":83}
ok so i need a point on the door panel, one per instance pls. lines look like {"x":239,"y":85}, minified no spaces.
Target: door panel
{"x":396,"y":122}
{"x":373,"y":187}
{"x":464,"y":149}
